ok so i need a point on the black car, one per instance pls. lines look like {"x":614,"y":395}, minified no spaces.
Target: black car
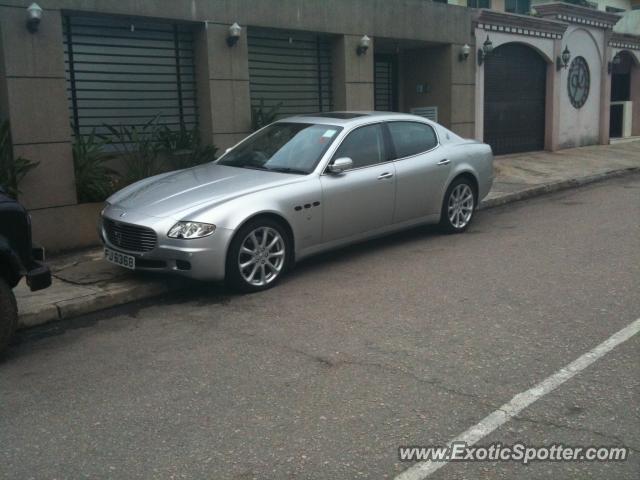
{"x":18,"y":258}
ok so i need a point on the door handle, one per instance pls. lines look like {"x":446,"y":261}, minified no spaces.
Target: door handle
{"x":385,"y":175}
{"x":444,"y":161}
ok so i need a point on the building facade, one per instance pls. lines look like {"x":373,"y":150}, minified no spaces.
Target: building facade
{"x":92,"y":64}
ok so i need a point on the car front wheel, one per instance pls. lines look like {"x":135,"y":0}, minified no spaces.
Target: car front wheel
{"x":8,"y":314}
{"x":258,"y":256}
{"x":458,"y":206}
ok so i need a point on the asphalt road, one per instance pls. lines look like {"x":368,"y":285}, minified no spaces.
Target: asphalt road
{"x":408,"y":340}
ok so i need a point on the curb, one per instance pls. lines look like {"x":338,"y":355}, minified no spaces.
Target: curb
{"x":132,"y":291}
{"x":554,"y":187}
{"x":94,"y":302}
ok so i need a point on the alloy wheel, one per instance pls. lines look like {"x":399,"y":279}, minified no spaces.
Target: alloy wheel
{"x":262,"y":256}
{"x":460,"y":206}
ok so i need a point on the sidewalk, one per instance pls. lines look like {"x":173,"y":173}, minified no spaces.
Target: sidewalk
{"x":84,"y":283}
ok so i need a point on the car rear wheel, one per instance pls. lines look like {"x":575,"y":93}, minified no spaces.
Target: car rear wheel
{"x":8,"y":314}
{"x":258,"y":256}
{"x":458,"y":206}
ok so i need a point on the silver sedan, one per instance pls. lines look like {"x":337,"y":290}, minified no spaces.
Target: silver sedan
{"x":297,"y":187}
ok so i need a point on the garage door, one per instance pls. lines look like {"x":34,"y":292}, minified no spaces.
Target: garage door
{"x":124,"y":71}
{"x":514,"y":99}
{"x":290,"y":69}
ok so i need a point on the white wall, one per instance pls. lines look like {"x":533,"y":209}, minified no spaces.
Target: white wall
{"x":581,"y":126}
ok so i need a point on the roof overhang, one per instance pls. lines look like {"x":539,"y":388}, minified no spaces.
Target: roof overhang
{"x":569,"y":13}
{"x":624,"y":40}
{"x":519,"y":24}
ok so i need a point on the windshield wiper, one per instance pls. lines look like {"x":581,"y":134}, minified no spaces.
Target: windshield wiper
{"x":288,"y":170}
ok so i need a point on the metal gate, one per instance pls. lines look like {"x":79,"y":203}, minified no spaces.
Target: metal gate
{"x":127,"y":71}
{"x":514,"y":99}
{"x":290,"y":71}
{"x":385,"y":83}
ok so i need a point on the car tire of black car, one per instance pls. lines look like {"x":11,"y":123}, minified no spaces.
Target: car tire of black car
{"x":8,"y":314}
{"x":460,"y":184}
{"x":234,"y":277}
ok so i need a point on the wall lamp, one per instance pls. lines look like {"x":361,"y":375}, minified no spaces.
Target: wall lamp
{"x":487,"y":48}
{"x":464,"y":52}
{"x":34,"y":15}
{"x":235,"y":31}
{"x":363,"y":45}
{"x":563,"y":61}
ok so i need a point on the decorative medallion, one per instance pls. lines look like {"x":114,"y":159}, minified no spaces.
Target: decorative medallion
{"x":578,"y":82}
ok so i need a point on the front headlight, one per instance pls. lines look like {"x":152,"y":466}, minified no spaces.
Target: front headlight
{"x":104,"y":207}
{"x":191,"y":230}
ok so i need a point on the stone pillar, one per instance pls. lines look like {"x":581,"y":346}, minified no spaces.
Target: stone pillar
{"x":463,"y":91}
{"x":605,"y":91}
{"x":222,"y":72}
{"x":352,"y":75}
{"x":552,"y":101}
{"x":34,"y":98}
{"x":634,"y":88}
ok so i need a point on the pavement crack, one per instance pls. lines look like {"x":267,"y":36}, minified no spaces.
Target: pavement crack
{"x":549,"y":423}
{"x":328,"y":363}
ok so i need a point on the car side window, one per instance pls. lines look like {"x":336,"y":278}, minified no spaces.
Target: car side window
{"x":411,"y":138}
{"x":365,"y":146}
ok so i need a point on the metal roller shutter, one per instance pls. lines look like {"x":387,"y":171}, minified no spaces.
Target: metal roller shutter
{"x":514,"y":99}
{"x":126,"y":72}
{"x":291,"y":68}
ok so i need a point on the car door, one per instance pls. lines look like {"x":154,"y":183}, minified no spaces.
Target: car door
{"x":422,"y":169}
{"x":360,"y":199}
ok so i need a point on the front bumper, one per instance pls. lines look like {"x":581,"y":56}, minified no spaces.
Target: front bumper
{"x":200,"y":259}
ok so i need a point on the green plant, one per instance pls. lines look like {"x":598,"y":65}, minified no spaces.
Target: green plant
{"x":12,"y":169}
{"x":138,"y":147}
{"x":184,"y":147}
{"x":262,"y":116}
{"x":95,"y":181}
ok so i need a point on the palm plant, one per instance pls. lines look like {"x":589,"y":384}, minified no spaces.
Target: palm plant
{"x":262,"y":116}
{"x":138,"y":147}
{"x":184,"y":147}
{"x":95,"y":180}
{"x":12,"y":169}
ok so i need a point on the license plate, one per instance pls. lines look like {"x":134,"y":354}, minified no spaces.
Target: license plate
{"x":121,"y":259}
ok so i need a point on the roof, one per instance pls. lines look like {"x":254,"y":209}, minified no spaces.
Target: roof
{"x":349,"y":118}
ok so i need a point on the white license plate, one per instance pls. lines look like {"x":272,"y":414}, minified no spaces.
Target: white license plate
{"x":121,"y":259}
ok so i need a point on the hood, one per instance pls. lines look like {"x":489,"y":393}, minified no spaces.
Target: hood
{"x":176,"y":193}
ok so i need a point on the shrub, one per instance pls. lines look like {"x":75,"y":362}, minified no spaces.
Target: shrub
{"x":184,"y":147}
{"x":262,"y":116}
{"x":12,"y":169}
{"x":95,"y":181}
{"x":139,"y":149}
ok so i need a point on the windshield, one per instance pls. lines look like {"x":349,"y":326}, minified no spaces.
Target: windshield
{"x":283,"y":147}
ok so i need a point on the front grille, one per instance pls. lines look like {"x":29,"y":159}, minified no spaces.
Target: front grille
{"x":130,"y":237}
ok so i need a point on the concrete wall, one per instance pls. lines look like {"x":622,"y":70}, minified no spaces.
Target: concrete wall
{"x":35,"y":99}
{"x":431,"y":68}
{"x":581,"y":126}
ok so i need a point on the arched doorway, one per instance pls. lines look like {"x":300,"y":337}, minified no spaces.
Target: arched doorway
{"x":514,"y":99}
{"x":624,"y":97}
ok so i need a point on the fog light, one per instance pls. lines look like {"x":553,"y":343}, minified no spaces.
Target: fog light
{"x":189,"y":230}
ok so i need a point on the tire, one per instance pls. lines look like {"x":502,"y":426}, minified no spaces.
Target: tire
{"x":266,"y":262}
{"x":458,"y":206}
{"x":8,"y":314}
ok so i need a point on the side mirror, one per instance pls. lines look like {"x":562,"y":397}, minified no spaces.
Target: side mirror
{"x":339,"y":165}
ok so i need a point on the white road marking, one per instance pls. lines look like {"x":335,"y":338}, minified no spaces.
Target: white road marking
{"x":521,"y":401}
